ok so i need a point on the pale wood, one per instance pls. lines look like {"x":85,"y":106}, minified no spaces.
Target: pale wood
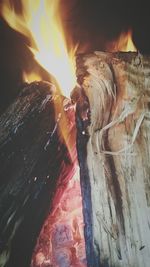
{"x":113,"y":120}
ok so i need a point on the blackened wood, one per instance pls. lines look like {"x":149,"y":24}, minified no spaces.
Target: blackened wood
{"x":113,"y":138}
{"x":34,"y":156}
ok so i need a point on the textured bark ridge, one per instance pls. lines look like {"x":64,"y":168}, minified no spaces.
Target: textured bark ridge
{"x":36,"y":157}
{"x":113,"y":121}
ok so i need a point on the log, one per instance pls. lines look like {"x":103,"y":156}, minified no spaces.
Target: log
{"x":113,"y":140}
{"x":37,"y":155}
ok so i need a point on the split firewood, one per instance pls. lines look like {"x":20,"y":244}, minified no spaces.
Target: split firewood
{"x":113,"y":139}
{"x":37,"y":156}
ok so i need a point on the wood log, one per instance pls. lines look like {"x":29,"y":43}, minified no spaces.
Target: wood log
{"x":113,"y":139}
{"x":36,"y":157}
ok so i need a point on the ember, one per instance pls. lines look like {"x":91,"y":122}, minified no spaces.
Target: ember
{"x":61,"y":241}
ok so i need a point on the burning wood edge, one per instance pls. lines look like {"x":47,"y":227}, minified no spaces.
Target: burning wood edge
{"x":36,"y":157}
{"x":113,"y":140}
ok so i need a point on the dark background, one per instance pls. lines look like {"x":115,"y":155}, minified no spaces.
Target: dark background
{"x":92,"y":24}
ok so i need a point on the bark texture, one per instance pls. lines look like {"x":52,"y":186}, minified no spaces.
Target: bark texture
{"x":113,"y":120}
{"x":35,"y":158}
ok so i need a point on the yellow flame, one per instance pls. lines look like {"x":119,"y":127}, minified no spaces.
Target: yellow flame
{"x":29,"y":77}
{"x":123,"y":43}
{"x":41,"y":24}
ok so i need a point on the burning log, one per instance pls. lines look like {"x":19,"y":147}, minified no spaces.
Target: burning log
{"x":36,"y":157}
{"x":113,"y":140}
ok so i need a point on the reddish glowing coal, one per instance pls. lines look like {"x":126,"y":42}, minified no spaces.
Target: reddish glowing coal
{"x":61,"y":241}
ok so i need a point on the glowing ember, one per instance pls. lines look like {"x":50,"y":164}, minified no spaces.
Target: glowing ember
{"x":61,"y":241}
{"x":40,"y":22}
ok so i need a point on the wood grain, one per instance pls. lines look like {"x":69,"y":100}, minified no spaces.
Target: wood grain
{"x":113,"y":120}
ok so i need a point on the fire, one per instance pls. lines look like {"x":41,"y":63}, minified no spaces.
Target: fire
{"x":123,"y":43}
{"x":41,"y":24}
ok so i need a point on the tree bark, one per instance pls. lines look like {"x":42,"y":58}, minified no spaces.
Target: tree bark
{"x":113,"y":121}
{"x":36,"y":157}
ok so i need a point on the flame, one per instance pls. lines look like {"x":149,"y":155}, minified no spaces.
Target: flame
{"x":40,"y":23}
{"x":32,"y":76}
{"x":124,"y":43}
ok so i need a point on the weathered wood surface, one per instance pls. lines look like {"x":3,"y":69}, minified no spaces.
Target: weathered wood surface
{"x":113,"y":119}
{"x":34,"y":160}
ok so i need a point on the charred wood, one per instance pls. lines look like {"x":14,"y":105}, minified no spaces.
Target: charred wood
{"x":34,"y":156}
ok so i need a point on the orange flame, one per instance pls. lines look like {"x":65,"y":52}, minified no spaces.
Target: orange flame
{"x":124,"y":43}
{"x":41,"y":24}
